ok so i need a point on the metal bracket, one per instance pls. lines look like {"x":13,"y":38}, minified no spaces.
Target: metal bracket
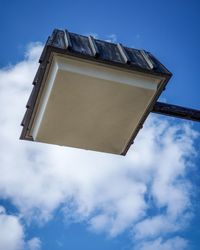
{"x":123,"y":53}
{"x":67,"y":39}
{"x":93,"y":46}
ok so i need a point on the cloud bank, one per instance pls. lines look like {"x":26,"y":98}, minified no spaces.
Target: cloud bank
{"x":147,"y":192}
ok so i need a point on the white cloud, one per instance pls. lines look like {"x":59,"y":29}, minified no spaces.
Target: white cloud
{"x":34,"y":244}
{"x":111,"y":38}
{"x":176,"y":243}
{"x":11,"y":232}
{"x":12,"y":235}
{"x":111,"y":193}
{"x":153,"y":227}
{"x":33,"y":51}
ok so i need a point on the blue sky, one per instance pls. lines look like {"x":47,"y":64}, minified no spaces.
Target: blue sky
{"x":53,"y":198}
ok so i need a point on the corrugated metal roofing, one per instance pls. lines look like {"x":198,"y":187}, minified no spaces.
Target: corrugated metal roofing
{"x":89,"y":48}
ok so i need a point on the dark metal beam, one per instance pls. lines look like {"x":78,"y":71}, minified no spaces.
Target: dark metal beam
{"x":176,"y":111}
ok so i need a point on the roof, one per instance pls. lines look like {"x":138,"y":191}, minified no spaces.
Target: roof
{"x":89,"y":48}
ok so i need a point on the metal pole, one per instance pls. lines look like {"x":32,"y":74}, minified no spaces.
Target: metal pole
{"x":176,"y":111}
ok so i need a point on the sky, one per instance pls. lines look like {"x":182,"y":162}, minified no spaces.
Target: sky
{"x":54,"y":198}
